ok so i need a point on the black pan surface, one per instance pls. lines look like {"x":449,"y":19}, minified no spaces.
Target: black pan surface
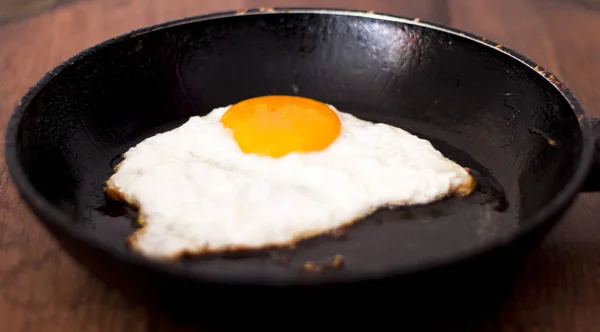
{"x":486,"y":107}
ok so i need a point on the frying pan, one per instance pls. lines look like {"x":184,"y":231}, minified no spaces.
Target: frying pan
{"x":527,"y":140}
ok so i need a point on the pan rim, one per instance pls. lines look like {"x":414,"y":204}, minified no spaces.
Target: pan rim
{"x":48,"y":214}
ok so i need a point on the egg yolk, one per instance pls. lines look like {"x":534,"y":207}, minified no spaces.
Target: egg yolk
{"x":277,"y":125}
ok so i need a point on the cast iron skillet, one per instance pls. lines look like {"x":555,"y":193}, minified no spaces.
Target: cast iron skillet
{"x":525,"y":136}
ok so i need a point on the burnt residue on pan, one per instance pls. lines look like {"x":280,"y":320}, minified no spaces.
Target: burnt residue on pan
{"x":551,"y":141}
{"x":334,"y":263}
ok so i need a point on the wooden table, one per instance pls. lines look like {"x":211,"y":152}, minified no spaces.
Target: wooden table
{"x":42,"y":289}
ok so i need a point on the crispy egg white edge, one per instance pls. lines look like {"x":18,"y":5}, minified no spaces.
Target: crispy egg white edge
{"x":375,"y":151}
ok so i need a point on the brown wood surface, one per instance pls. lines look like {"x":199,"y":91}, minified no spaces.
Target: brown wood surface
{"x":42,"y":289}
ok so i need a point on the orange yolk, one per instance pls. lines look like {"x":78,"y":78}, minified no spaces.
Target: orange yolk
{"x":277,"y":125}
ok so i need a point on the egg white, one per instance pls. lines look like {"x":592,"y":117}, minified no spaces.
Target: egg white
{"x":197,"y":192}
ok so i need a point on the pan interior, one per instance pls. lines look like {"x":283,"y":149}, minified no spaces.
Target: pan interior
{"x":479,"y":107}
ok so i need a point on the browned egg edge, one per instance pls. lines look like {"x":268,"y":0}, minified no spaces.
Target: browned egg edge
{"x":466,"y":188}
{"x":115,"y":193}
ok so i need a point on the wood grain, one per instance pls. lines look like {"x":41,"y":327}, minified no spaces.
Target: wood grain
{"x":42,"y":289}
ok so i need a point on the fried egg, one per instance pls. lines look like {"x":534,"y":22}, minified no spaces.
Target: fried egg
{"x":270,"y":171}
